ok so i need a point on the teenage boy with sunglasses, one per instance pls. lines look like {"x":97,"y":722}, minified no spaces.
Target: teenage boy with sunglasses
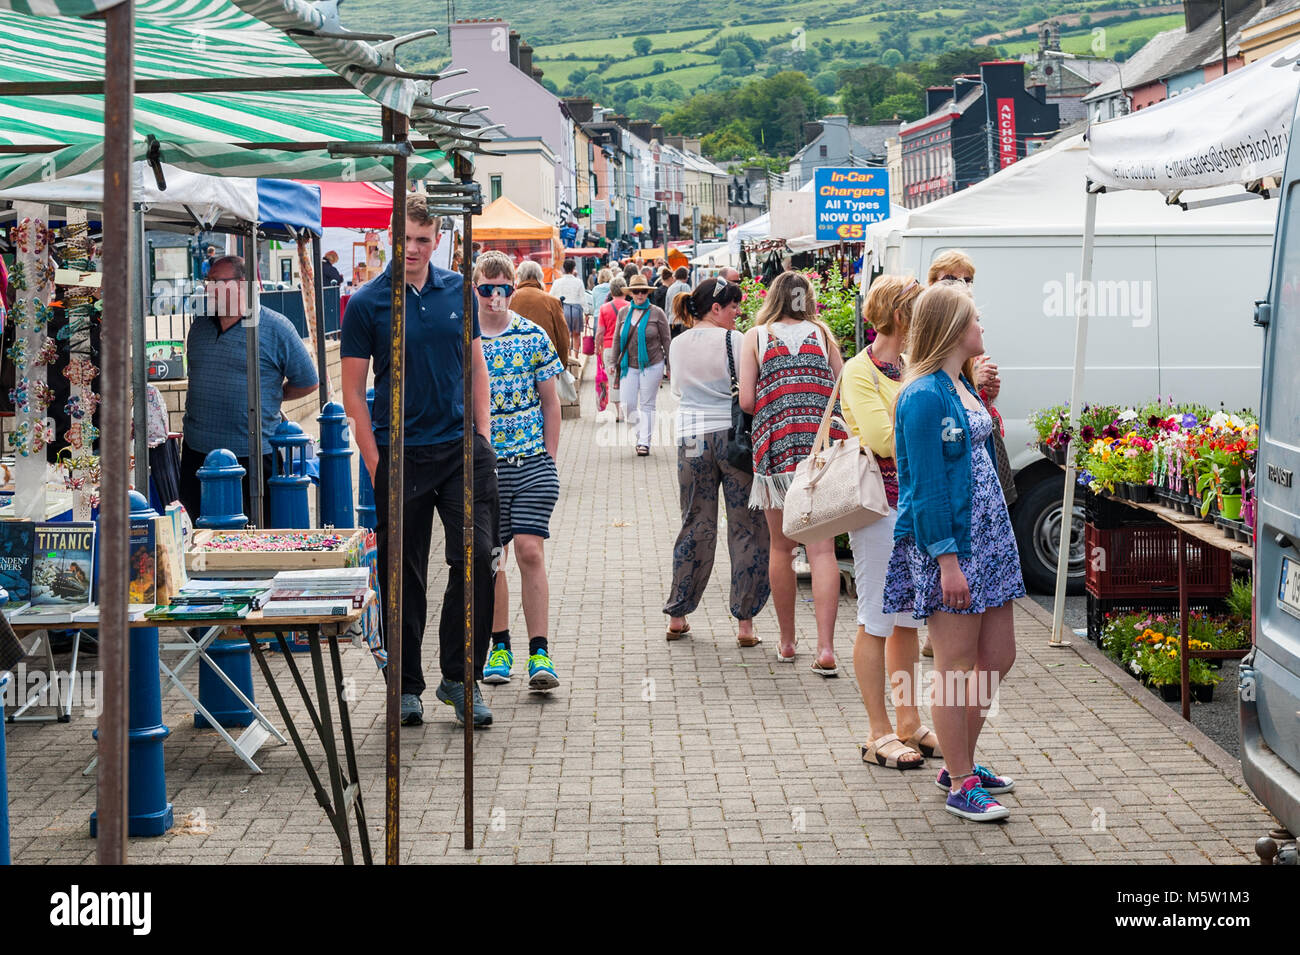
{"x":522,"y":365}
{"x":433,"y":436}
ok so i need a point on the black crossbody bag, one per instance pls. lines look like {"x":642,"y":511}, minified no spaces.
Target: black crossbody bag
{"x":740,"y":445}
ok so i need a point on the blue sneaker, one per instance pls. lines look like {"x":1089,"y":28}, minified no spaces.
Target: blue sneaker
{"x":499,"y":662}
{"x":541,"y":672}
{"x":453,"y":694}
{"x":991,"y":782}
{"x":973,"y":802}
{"x":412,"y":711}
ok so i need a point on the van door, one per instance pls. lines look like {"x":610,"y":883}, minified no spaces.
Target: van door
{"x":1277,"y":538}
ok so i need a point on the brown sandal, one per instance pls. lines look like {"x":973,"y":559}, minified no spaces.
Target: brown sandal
{"x":678,"y":634}
{"x":754,"y":640}
{"x":874,"y":752}
{"x":917,"y":742}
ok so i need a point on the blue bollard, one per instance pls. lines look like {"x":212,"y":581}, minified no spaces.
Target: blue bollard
{"x":221,"y":501}
{"x":365,"y":490}
{"x":148,"y":811}
{"x":335,"y":468}
{"x":222,"y":506}
{"x":290,"y":485}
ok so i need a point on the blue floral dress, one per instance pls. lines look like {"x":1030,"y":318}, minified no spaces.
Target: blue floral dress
{"x":993,"y":569}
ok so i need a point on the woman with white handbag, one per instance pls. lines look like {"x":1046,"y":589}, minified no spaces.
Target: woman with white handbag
{"x":954,"y":562}
{"x":789,"y":366}
{"x":886,"y":648}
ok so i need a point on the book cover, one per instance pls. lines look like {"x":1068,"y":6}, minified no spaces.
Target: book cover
{"x":63,"y":564}
{"x":142,"y":590}
{"x":181,"y":530}
{"x":333,"y":594}
{"x":170,"y":577}
{"x":17,"y":549}
{"x":310,"y":608}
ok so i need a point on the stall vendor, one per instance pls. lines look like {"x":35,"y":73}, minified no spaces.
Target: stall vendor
{"x":329,"y":273}
{"x":216,"y":405}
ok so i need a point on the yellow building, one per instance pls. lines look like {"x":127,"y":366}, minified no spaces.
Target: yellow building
{"x":1273,"y":28}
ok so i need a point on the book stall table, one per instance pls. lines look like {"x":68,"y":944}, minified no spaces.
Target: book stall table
{"x":344,"y":794}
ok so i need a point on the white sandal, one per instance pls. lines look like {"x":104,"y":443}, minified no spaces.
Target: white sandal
{"x":780,"y":658}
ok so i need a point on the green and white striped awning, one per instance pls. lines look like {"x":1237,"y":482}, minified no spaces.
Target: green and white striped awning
{"x":42,"y":40}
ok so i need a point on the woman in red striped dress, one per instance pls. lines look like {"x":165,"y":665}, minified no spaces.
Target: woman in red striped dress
{"x":789,"y":365}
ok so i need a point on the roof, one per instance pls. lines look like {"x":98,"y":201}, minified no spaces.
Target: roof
{"x":505,"y":220}
{"x":871,"y":139}
{"x":1275,"y":9}
{"x":947,"y":110}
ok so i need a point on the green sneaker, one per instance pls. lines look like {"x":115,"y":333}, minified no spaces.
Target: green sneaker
{"x":541,"y":672}
{"x":499,"y":662}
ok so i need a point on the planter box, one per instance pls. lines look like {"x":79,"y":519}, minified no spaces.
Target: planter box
{"x":1173,"y":692}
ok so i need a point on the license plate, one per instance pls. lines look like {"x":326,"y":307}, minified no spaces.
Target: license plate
{"x":1288,"y":593}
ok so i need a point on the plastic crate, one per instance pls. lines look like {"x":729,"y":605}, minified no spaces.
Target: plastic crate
{"x":1107,"y":513}
{"x":1142,"y":562}
{"x":1099,"y":609}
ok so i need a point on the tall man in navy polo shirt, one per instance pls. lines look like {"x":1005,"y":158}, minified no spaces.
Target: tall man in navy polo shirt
{"x":216,"y":405}
{"x":434,"y":469}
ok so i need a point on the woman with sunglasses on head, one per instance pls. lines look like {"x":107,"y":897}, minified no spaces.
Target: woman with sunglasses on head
{"x":641,"y":357}
{"x":954,"y":562}
{"x":886,"y":649}
{"x":705,"y":357}
{"x":787,"y":375}
{"x":525,"y":413}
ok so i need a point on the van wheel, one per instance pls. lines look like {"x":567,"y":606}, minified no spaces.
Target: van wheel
{"x":1037,"y":525}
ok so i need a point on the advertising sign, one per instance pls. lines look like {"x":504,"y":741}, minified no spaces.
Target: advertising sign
{"x":847,"y":199}
{"x":1006,"y":133}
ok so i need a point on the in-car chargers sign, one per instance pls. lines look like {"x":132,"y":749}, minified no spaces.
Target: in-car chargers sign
{"x":847,"y":199}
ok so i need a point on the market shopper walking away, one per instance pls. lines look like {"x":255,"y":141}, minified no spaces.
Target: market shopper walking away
{"x":885,"y":651}
{"x":641,"y":357}
{"x":680,"y":286}
{"x":535,"y":304}
{"x":433,"y":474}
{"x":606,"y":325}
{"x":522,"y":365}
{"x":573,"y":297}
{"x":705,"y":358}
{"x":954,"y":561}
{"x":216,"y":403}
{"x":788,"y":369}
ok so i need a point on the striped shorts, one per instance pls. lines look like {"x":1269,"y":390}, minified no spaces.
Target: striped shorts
{"x":528,"y":489}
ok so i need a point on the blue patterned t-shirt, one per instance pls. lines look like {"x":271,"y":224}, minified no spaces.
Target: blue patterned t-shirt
{"x":518,"y":360}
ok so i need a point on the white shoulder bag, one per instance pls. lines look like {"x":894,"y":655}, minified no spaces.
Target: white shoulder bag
{"x":836,"y":489}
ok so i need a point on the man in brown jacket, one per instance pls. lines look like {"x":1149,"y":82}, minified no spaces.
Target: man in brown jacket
{"x":533,"y":303}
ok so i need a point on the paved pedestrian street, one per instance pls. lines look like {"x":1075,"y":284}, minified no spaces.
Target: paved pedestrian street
{"x":694,"y":751}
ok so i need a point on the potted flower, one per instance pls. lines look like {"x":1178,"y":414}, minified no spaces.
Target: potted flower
{"x":1160,"y":662}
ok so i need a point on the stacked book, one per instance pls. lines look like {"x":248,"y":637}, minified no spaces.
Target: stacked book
{"x":48,"y":570}
{"x":324,"y":592}
{"x":213,"y":600}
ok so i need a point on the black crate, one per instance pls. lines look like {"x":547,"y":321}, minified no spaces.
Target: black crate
{"x":1099,"y":609}
{"x":1107,"y":514}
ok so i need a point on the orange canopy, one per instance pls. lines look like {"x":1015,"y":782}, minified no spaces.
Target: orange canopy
{"x":503,"y":225}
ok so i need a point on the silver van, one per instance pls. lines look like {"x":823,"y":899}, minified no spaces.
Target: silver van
{"x":1269,"y":686}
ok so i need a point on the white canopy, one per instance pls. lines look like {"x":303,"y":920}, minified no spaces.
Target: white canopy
{"x":714,"y":255}
{"x":1231,"y":131}
{"x":748,"y":232}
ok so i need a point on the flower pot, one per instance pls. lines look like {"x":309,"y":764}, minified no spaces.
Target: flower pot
{"x":1122,"y":492}
{"x":1140,"y":493}
{"x":1231,"y":504}
{"x":1203,"y":692}
{"x":1170,"y":692}
{"x":1173,"y":692}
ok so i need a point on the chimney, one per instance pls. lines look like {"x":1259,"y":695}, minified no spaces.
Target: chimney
{"x":525,"y":58}
{"x":538,"y":73}
{"x":641,"y":128}
{"x":677,"y":142}
{"x":581,"y":109}
{"x":622,"y":121}
{"x":811,"y":131}
{"x":657,"y":132}
{"x":514,"y":48}
{"x":1040,"y":92}
{"x":1003,"y":77}
{"x":936,"y":96}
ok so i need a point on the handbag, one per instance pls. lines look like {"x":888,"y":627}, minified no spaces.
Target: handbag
{"x":567,"y":387}
{"x":740,"y":444}
{"x":836,"y":489}
{"x":1005,"y":476}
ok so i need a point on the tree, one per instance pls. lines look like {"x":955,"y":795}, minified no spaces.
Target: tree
{"x":657,"y":67}
{"x":891,"y":57}
{"x":731,"y":142}
{"x":903,"y":105}
{"x":550,"y":87}
{"x":826,"y":83}
{"x":647,"y":89}
{"x":670,"y":90}
{"x":641,"y":45}
{"x":593,"y":86}
{"x":577,"y":76}
{"x":729,"y":60}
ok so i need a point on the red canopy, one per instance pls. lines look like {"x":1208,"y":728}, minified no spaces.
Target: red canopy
{"x":353,"y":205}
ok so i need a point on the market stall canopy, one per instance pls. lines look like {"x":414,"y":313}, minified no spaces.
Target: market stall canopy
{"x":191,"y":199}
{"x":1234,"y":130}
{"x":1045,"y":195}
{"x":749,"y":231}
{"x":714,"y":255}
{"x":353,"y":205}
{"x":188,"y":41}
{"x":520,"y":234}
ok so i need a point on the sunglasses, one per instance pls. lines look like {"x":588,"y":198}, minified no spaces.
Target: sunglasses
{"x":720,"y":284}
{"x":487,"y":291}
{"x":953,"y":278}
{"x":904,"y":293}
{"x":640,"y":291}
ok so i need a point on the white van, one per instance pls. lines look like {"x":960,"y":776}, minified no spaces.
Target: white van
{"x":1167,"y":316}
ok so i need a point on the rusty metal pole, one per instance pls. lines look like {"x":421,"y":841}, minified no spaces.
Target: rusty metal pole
{"x":318,"y":291}
{"x":115,"y":360}
{"x":465,"y":172}
{"x":395,"y":130}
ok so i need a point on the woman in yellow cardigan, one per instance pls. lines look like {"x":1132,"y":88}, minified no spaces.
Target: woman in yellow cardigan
{"x":885,"y":642}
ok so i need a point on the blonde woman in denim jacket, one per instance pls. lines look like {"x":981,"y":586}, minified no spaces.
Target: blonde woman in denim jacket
{"x":955,"y":562}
